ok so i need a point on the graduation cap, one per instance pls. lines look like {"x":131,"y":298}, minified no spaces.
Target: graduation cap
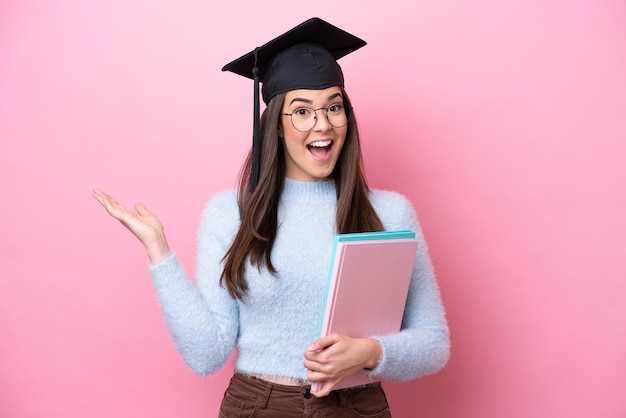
{"x":304,"y":57}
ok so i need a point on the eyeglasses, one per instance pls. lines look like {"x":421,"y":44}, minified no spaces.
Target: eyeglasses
{"x":305,"y":118}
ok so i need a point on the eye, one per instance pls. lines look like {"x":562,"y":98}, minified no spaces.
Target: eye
{"x":303,"y":112}
{"x":335,"y":108}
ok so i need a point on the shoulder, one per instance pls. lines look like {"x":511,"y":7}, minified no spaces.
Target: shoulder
{"x":222,"y":200}
{"x":221,"y":211}
{"x":390,"y":198}
{"x":394,"y":209}
{"x":388,"y":201}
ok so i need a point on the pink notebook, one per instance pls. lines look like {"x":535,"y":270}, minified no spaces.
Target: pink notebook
{"x":367,"y":289}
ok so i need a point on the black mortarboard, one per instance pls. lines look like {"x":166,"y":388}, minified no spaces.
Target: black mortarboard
{"x":304,"y":57}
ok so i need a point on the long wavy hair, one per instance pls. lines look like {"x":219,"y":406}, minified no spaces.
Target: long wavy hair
{"x":258,"y":209}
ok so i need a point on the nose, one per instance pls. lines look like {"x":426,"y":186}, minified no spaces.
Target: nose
{"x":321,"y":120}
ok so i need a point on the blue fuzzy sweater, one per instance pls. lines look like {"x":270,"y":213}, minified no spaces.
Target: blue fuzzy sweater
{"x":281,"y":314}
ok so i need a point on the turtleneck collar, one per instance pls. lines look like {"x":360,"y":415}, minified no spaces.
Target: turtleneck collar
{"x":309,"y":190}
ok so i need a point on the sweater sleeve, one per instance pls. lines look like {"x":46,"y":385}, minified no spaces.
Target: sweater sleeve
{"x":423,"y":345}
{"x":200,"y":316}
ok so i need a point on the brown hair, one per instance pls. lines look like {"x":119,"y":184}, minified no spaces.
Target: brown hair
{"x":258,"y":209}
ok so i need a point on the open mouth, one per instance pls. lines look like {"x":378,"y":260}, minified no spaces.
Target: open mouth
{"x":320,"y":149}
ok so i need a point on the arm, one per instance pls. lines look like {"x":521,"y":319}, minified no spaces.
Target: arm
{"x":420,"y":348}
{"x":200,"y":317}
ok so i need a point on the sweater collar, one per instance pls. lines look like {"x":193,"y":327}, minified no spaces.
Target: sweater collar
{"x":309,"y":190}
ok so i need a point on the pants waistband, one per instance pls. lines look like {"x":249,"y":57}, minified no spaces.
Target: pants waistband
{"x":265,"y":391}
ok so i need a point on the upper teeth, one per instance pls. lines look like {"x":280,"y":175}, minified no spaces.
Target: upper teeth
{"x":320,"y":143}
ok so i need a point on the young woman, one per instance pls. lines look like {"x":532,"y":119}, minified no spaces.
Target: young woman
{"x":264,"y":250}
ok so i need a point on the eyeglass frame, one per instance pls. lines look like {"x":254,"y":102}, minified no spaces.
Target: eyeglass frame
{"x":347,"y":109}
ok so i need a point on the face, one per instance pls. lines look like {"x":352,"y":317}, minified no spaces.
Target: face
{"x":312,"y":155}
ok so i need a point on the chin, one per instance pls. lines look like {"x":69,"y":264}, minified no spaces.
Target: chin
{"x":326,"y":175}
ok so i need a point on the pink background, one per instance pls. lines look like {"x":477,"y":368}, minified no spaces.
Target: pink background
{"x":503,"y":121}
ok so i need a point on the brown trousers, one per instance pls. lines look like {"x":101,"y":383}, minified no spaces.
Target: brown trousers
{"x":248,"y":397}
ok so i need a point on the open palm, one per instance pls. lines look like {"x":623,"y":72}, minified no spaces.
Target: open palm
{"x":141,"y":222}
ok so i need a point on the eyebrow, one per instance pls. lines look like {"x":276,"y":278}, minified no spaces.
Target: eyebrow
{"x":299,"y":99}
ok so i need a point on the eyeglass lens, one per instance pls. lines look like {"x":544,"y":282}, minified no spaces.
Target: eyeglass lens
{"x":304,"y":118}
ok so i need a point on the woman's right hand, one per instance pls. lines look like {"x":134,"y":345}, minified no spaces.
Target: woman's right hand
{"x":143,"y":224}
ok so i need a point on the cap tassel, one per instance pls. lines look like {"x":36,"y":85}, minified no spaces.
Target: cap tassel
{"x":254,"y":175}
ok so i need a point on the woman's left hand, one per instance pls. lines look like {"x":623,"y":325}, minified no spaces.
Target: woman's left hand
{"x":333,"y":358}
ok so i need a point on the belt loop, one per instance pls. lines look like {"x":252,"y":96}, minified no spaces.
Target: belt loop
{"x":264,"y":397}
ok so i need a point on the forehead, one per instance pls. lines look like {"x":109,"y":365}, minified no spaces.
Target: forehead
{"x":314,"y":96}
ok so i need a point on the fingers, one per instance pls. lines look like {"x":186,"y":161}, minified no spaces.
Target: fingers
{"x":101,"y":196}
{"x":114,"y":209}
{"x":321,"y":364}
{"x":321,"y":385}
{"x":141,"y":209}
{"x":106,"y":201}
{"x":320,"y":354}
{"x":141,"y":223}
{"x":117,"y":210}
{"x":323,"y":343}
{"x":316,"y":369}
{"x":326,"y":388}
{"x":332,"y":359}
{"x":127,"y":217}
